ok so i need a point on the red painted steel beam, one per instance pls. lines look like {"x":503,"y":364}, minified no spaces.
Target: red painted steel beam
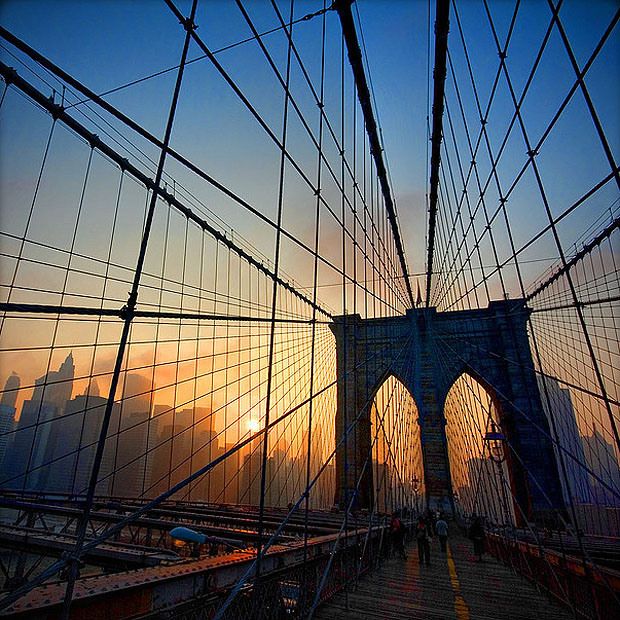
{"x":150,"y":590}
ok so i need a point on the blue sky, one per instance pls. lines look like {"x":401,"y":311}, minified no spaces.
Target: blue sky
{"x":108,"y":43}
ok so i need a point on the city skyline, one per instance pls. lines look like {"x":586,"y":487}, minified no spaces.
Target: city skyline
{"x":151,"y":447}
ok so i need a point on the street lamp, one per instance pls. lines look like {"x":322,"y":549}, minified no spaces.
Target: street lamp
{"x":457,"y":507}
{"x":415,"y":483}
{"x":496,"y":440}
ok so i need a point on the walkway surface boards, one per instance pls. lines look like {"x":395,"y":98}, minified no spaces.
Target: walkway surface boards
{"x":454,"y":587}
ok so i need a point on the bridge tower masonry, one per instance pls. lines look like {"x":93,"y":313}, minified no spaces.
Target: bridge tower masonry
{"x":428,"y":351}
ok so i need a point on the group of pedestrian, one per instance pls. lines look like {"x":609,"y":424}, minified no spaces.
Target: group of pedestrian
{"x":398,"y":531}
{"x":427,"y":526}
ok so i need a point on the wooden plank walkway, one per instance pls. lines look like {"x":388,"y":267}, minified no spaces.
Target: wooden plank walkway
{"x":454,"y":587}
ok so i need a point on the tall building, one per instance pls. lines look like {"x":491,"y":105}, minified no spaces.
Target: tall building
{"x":560,"y":411}
{"x":382,"y":486}
{"x":488,"y":492}
{"x":34,"y":440}
{"x":282,"y":478}
{"x":184,"y":443}
{"x":206,"y":449}
{"x":128,"y":438}
{"x":602,"y":460}
{"x":249,"y":490}
{"x":232,"y":484}
{"x":7,"y":415}
{"x":75,"y":442}
{"x":159,"y":449}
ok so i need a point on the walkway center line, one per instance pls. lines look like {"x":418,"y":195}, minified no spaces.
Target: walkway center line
{"x":462,"y":611}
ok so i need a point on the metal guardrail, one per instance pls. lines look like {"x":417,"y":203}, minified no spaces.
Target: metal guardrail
{"x":196,"y":589}
{"x":592,"y":592}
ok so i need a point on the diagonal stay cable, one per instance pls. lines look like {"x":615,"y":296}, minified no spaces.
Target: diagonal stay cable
{"x":189,"y":26}
{"x":11,"y":76}
{"x":191,"y":61}
{"x":59,"y":111}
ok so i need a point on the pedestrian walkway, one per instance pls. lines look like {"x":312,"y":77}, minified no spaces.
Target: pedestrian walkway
{"x":454,"y":587}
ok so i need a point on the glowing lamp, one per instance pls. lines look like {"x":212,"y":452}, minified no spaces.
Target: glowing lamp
{"x":496,"y":441}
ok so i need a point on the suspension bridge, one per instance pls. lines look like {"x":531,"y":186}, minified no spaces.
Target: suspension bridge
{"x":237,"y":341}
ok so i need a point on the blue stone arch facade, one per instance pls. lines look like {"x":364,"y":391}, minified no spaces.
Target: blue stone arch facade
{"x":428,"y":351}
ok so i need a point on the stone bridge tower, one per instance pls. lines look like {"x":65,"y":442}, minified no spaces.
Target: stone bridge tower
{"x":428,"y":351}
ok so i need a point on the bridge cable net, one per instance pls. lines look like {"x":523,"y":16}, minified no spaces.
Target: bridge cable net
{"x":165,"y":329}
{"x":524,"y":208}
{"x":164,"y":368}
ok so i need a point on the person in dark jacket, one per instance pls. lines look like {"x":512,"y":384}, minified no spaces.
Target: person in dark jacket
{"x":441,"y":527}
{"x":423,"y":540}
{"x":478,"y":537}
{"x":397,"y":532}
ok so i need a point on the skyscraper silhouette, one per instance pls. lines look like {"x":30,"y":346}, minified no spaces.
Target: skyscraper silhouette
{"x":7,"y":414}
{"x":35,"y":439}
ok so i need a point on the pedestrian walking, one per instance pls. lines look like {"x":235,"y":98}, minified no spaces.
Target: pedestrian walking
{"x":423,"y":540}
{"x":441,"y":527}
{"x":398,"y":531}
{"x":478,"y":537}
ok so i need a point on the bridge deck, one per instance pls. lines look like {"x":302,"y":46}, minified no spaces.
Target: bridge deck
{"x":455,"y":587}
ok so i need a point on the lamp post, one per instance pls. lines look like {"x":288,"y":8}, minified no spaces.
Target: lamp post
{"x":496,"y":440}
{"x":457,"y":506}
{"x":415,"y":483}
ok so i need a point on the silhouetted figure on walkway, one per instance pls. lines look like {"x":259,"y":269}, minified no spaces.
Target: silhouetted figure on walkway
{"x":441,"y":528}
{"x":423,"y":539}
{"x":429,"y":519}
{"x":397,"y":532}
{"x":477,"y":535}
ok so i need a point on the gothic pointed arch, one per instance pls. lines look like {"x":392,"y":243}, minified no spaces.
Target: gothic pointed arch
{"x":428,"y":351}
{"x":398,"y":479}
{"x":480,"y":468}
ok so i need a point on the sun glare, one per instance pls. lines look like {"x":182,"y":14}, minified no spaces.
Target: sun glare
{"x":253,"y":426}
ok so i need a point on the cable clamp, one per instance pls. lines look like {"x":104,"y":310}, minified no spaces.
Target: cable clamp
{"x":127,"y":311}
{"x":10,"y":74}
{"x":56,"y":110}
{"x":72,"y":558}
{"x":166,"y":195}
{"x":93,"y":140}
{"x":188,"y":24}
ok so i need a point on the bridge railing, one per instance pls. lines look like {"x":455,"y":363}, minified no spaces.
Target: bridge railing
{"x":591,"y":591}
{"x":293,"y":580}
